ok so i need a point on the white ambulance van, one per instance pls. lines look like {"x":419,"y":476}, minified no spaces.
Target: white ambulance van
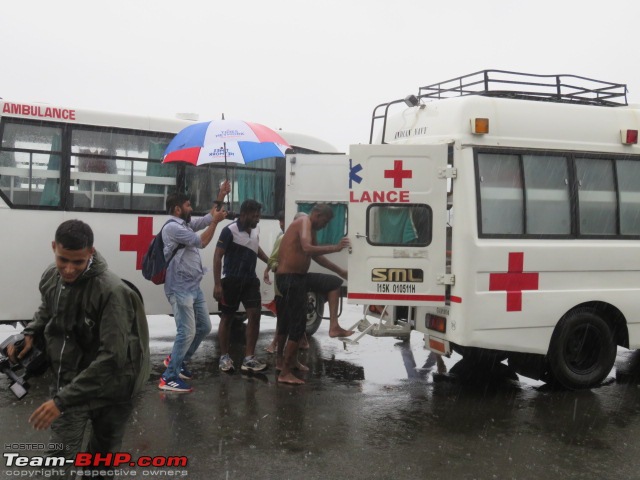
{"x":499,"y":214}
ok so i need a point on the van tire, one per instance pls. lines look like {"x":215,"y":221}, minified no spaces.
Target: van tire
{"x":315,"y":312}
{"x":480,"y":356}
{"x":582,"y":349}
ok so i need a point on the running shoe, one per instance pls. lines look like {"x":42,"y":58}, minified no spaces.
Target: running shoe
{"x":173,"y":385}
{"x":252,"y":364}
{"x":185,"y":373}
{"x":226,"y":364}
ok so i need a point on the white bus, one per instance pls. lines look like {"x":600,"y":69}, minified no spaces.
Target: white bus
{"x":542,"y":262}
{"x":58,"y":163}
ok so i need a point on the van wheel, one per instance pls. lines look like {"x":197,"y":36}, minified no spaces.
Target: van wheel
{"x":481,"y":356}
{"x":315,"y":312}
{"x":582,"y":350}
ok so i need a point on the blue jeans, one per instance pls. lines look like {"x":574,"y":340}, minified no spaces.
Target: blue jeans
{"x":192,"y":323}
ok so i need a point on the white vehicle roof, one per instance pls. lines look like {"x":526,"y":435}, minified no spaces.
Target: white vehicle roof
{"x":524,"y":111}
{"x":516,"y":123}
{"x":57,"y":113}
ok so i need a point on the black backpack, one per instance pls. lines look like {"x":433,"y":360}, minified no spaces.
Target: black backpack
{"x":154,"y":266}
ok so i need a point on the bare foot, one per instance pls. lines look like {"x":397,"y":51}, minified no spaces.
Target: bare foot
{"x":300,"y":366}
{"x":271,"y":348}
{"x":290,"y":378}
{"x":304,"y":344}
{"x":340,"y":332}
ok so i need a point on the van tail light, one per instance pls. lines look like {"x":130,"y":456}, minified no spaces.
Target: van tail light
{"x":437,"y":346}
{"x":629,"y":137}
{"x":435,"y":322}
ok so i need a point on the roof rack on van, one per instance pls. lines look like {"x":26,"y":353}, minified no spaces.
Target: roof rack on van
{"x":524,"y":86}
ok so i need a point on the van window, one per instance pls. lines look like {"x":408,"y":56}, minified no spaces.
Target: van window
{"x":409,"y":224}
{"x":501,"y":194}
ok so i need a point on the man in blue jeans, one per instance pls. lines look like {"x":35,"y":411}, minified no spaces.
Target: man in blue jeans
{"x":182,"y":286}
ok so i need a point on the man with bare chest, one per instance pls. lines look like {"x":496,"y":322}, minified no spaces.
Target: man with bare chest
{"x":297,"y":248}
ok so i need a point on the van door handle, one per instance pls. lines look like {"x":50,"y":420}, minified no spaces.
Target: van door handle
{"x":361,"y":236}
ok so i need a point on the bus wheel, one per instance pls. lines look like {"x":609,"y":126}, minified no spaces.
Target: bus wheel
{"x":582,"y":350}
{"x":315,"y":312}
{"x":239,"y":318}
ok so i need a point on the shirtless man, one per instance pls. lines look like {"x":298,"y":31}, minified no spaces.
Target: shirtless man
{"x":297,"y":248}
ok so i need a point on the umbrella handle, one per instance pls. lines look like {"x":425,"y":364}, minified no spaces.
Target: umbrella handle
{"x":226,"y":175}
{"x":224,"y":147}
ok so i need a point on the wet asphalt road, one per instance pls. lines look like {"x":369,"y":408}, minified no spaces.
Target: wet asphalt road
{"x":375,"y":410}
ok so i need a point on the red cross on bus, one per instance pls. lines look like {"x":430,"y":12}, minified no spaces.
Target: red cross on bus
{"x":514,"y":281}
{"x":138,"y":243}
{"x":398,"y":174}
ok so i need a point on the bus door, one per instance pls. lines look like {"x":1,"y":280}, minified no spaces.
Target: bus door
{"x":397,"y":224}
{"x":314,"y":178}
{"x":320,"y":178}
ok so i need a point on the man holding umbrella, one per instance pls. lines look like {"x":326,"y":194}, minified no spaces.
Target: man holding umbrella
{"x":236,"y":142}
{"x":184,"y":274}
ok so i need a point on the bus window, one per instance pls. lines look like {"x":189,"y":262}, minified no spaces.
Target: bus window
{"x":30,"y":164}
{"x":596,"y":196}
{"x":202,"y":185}
{"x":119,"y":171}
{"x":158,"y":170}
{"x":256,"y":180}
{"x":628,"y":176}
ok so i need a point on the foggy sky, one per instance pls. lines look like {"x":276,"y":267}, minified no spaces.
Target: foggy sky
{"x":313,"y":67}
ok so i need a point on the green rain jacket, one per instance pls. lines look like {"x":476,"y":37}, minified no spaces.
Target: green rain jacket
{"x":96,"y":335}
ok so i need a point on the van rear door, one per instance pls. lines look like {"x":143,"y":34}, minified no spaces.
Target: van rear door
{"x":397,"y":224}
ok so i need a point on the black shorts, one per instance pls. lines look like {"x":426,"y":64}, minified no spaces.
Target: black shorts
{"x":322,"y":282}
{"x":236,"y":290}
{"x":292,"y":307}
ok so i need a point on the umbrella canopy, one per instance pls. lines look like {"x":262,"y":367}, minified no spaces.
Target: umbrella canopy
{"x":221,"y":141}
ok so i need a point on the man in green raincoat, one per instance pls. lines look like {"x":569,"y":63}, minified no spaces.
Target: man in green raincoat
{"x":97,"y":342}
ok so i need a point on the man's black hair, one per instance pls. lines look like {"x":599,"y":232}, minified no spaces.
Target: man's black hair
{"x":280,"y":216}
{"x":74,"y":235}
{"x":176,"y":200}
{"x":250,"y":206}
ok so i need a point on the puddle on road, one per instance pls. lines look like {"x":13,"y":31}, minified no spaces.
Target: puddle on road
{"x":377,"y":363}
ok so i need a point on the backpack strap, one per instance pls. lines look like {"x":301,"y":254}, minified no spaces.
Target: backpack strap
{"x":180,"y":245}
